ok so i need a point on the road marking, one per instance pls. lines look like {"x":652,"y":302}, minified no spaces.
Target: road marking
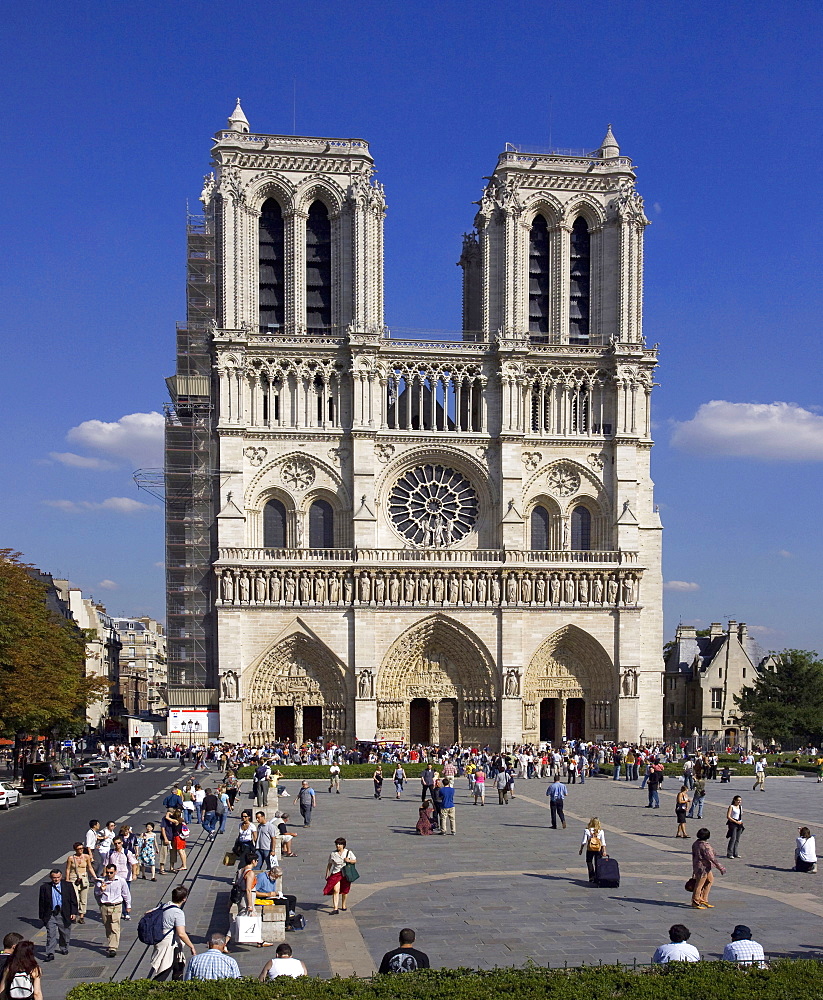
{"x":137,"y":810}
{"x":7,"y":897}
{"x":63,"y":858}
{"x":144,"y":804}
{"x":36,"y":878}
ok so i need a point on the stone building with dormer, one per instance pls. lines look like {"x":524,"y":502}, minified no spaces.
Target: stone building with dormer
{"x":373,"y":536}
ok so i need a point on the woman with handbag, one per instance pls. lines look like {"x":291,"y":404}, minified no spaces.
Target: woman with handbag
{"x":339,"y":872}
{"x":734,"y":826}
{"x":80,"y":872}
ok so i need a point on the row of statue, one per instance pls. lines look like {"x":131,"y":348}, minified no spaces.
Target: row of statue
{"x":321,"y":587}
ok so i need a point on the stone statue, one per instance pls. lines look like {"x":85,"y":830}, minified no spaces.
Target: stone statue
{"x":409,"y":589}
{"x":612,"y":590}
{"x":555,"y":589}
{"x":511,"y":589}
{"x":244,"y":589}
{"x":495,"y":589}
{"x":320,"y":589}
{"x":365,"y":588}
{"x":425,"y":586}
{"x":540,"y":590}
{"x":468,"y":589}
{"x":365,"y":687}
{"x":394,"y":589}
{"x":628,"y":590}
{"x":334,"y":588}
{"x":481,"y":589}
{"x":454,"y":589}
{"x":274,"y":588}
{"x":379,"y":588}
{"x":227,"y":584}
{"x":569,"y":588}
{"x":630,"y":683}
{"x":260,"y":588}
{"x":305,"y":588}
{"x":229,"y":686}
{"x":526,"y":589}
{"x":348,"y":589}
{"x":438,"y":589}
{"x":512,"y":686}
{"x":583,"y":590}
{"x":290,"y":589}
{"x":598,"y":590}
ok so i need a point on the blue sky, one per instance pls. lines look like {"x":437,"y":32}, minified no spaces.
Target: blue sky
{"x":109,"y":113}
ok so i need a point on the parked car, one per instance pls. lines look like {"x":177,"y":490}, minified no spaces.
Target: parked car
{"x":9,"y":796}
{"x":95,"y":777}
{"x":66,"y":783}
{"x":34,"y":773}
{"x":110,"y":767}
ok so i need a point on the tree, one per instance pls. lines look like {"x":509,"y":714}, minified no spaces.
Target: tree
{"x":43,"y":683}
{"x":786,"y":700}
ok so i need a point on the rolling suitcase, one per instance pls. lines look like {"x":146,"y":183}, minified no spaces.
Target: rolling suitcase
{"x":606,"y":873}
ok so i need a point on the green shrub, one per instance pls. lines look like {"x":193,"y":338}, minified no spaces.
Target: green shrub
{"x":785,"y":980}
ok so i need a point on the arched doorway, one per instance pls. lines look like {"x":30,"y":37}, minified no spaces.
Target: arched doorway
{"x":569,"y":689}
{"x":297,"y":692}
{"x":437,"y":685}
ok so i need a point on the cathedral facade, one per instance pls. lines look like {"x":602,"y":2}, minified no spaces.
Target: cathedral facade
{"x":416,"y":539}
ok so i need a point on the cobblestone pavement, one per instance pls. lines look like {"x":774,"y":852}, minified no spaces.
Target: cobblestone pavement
{"x":507,"y":889}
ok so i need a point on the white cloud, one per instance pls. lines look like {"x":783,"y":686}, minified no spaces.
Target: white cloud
{"x":118,"y":505}
{"x":80,"y":461}
{"x":772,"y":431}
{"x":763,"y":630}
{"x":658,"y":208}
{"x":681,"y":585}
{"x":108,"y":585}
{"x":137,"y":437}
{"x":785,"y":554}
{"x":161,"y":564}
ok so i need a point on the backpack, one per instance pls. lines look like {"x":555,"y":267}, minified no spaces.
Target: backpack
{"x":238,"y":890}
{"x":260,"y":773}
{"x":150,"y":927}
{"x":594,"y":843}
{"x":21,"y":987}
{"x":184,"y":831}
{"x":298,"y":922}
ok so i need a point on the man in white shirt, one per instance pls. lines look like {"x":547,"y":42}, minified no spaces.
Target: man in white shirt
{"x":743,"y":950}
{"x":760,"y":775}
{"x":678,"y":950}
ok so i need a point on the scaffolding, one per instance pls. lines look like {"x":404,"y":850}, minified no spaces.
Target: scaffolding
{"x":188,"y":473}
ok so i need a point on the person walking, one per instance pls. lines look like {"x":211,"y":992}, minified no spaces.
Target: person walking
{"x":93,"y":837}
{"x":147,"y":852}
{"x":448,"y":821}
{"x":501,"y":783}
{"x":126,"y":865}
{"x":80,"y":873}
{"x":760,"y":775}
{"x":703,"y":860}
{"x":377,"y":778}
{"x":805,"y":851}
{"x":109,"y":832}
{"x":261,"y":785}
{"x":21,"y":973}
{"x":113,"y":895}
{"x":697,"y":801}
{"x":337,"y":885}
{"x":734,"y":826}
{"x":334,"y":778}
{"x":213,"y":963}
{"x":681,"y":806}
{"x":58,"y":910}
{"x":655,"y":781}
{"x":479,"y":786}
{"x":209,"y":808}
{"x":173,"y":936}
{"x":399,"y":779}
{"x":594,"y":841}
{"x":266,"y":842}
{"x":426,"y":783}
{"x":307,"y":801}
{"x":556,"y":792}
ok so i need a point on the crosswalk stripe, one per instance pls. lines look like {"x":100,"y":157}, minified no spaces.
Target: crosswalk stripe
{"x":36,"y":877}
{"x":7,"y":897}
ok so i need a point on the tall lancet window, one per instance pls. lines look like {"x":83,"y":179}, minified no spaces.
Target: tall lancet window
{"x":271,"y":257}
{"x":318,"y":268}
{"x":539,"y":277}
{"x":274,"y":525}
{"x":580,"y":273}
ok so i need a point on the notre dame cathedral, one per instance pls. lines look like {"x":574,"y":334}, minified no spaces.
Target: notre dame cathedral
{"x":370,"y":536}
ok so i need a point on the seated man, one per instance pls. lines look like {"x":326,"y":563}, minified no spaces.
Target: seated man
{"x":678,"y":949}
{"x":267,"y":889}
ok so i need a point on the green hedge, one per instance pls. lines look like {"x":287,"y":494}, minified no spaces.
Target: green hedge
{"x":785,"y":980}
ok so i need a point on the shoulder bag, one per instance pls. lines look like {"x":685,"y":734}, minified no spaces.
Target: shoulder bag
{"x":350,"y":872}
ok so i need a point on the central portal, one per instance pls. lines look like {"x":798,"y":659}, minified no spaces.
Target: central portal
{"x":420,"y":721}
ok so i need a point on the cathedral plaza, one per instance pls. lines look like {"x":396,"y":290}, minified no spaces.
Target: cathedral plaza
{"x":381,"y":534}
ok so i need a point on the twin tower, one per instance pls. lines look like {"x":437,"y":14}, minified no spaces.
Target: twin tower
{"x":426,"y":541}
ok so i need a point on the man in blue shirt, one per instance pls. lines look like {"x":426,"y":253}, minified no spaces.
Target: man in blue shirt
{"x":556,"y":792}
{"x":447,"y":820}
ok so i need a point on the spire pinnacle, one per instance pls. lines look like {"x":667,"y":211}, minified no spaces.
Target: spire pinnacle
{"x":238,"y":121}
{"x":609,"y":147}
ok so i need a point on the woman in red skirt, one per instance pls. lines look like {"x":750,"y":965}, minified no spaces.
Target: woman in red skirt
{"x":337,"y":884}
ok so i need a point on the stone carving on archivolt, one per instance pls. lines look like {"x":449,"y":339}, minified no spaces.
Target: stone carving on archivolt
{"x":563,"y":479}
{"x":255,"y":455}
{"x":532,"y":460}
{"x":383,"y":452}
{"x":591,"y":588}
{"x":596,"y":461}
{"x":297,"y":472}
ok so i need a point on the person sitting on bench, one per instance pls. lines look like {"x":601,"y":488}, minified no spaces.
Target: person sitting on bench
{"x":267,"y":889}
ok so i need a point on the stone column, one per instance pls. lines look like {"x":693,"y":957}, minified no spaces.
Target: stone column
{"x":434,"y":725}
{"x":298,"y":724}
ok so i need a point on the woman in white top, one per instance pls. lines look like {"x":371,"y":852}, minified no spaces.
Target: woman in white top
{"x":594,"y":840}
{"x":337,"y":884}
{"x":805,"y":851}
{"x":734,"y":826}
{"x":282,"y":965}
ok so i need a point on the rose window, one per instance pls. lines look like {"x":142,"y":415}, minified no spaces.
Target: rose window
{"x":433,"y":506}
